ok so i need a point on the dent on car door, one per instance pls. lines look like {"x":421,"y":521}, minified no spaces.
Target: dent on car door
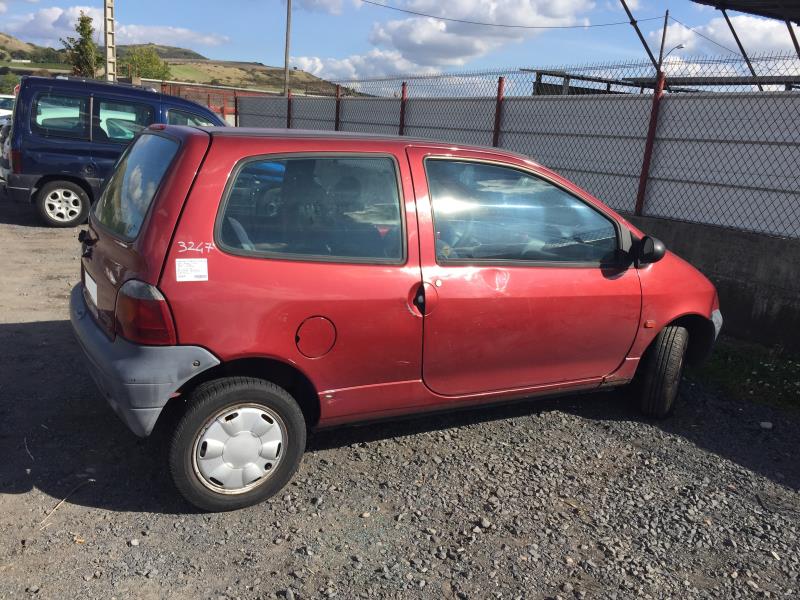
{"x":528,"y":287}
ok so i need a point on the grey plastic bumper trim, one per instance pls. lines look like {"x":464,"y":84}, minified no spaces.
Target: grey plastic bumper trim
{"x":137,"y":381}
{"x":716,"y":319}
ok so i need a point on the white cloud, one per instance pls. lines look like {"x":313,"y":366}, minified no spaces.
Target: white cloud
{"x":163,"y":34}
{"x":425,"y":44}
{"x":47,"y":26}
{"x":757,"y":35}
{"x":375,"y":63}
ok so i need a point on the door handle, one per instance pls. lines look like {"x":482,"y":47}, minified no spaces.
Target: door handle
{"x":423,"y":298}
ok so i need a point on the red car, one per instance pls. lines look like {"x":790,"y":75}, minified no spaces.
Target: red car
{"x":271,"y":282}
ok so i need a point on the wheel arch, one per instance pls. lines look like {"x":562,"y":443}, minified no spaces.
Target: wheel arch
{"x":701,"y":336}
{"x":283,"y":374}
{"x":45,"y":179}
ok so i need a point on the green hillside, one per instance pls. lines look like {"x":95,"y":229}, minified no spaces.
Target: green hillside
{"x":185,"y":65}
{"x":165,"y":52}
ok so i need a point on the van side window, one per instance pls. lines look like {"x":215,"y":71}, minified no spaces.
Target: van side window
{"x":344,"y":209}
{"x":60,"y":115}
{"x":488,"y":213}
{"x":182,"y":117}
{"x":118,"y":121}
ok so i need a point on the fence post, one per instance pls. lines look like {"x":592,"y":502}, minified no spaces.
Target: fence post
{"x":403,"y":98}
{"x":235,"y":109}
{"x":289,"y":109}
{"x":338,"y":106}
{"x":658,"y":92}
{"x":498,"y":110}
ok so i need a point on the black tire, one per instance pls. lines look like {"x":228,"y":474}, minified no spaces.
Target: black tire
{"x":62,"y":204}
{"x":209,"y":400}
{"x":659,"y":377}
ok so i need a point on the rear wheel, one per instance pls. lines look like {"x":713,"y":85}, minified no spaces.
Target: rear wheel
{"x":661,"y":370}
{"x":239,"y":443}
{"x":62,"y":204}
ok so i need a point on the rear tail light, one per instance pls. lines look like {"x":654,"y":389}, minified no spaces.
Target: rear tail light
{"x":16,"y":162}
{"x":142,"y":315}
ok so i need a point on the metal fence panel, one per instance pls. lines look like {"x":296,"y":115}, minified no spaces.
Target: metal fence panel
{"x":262,"y":111}
{"x":596,"y":141}
{"x":459,"y":120}
{"x":370,"y":115}
{"x":314,"y":112}
{"x":729,"y":160}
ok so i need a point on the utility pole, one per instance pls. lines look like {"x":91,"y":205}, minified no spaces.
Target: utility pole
{"x":286,"y":54}
{"x":110,"y":43}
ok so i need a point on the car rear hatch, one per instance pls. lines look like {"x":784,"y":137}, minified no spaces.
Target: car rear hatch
{"x":131,"y":225}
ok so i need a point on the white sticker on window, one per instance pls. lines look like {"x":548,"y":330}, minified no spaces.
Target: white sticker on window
{"x":191,"y":269}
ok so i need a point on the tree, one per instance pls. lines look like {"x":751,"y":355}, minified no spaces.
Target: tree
{"x":8,"y":82}
{"x":82,"y":52}
{"x":145,"y":62}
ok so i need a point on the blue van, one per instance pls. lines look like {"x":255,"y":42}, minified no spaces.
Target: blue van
{"x":67,"y":134}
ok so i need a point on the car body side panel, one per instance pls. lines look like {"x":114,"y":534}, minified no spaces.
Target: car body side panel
{"x":254,"y":306}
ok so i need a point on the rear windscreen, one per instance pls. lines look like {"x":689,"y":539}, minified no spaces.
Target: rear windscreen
{"x":130,"y":190}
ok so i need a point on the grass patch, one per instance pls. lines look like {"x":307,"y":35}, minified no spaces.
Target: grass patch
{"x":749,"y":371}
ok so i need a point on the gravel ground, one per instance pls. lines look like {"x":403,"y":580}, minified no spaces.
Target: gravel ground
{"x":573,"y":498}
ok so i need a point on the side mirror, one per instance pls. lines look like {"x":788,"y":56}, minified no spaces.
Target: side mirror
{"x":650,"y":250}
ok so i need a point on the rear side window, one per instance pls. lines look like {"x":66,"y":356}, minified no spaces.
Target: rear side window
{"x":131,"y":189}
{"x":116,"y":121}
{"x":61,"y":116}
{"x":181,"y":117}
{"x":344,"y":209}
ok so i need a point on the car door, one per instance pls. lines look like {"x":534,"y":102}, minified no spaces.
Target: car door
{"x":524,"y":281}
{"x":115,"y":122}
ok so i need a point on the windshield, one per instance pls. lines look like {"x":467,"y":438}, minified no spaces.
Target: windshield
{"x":7,"y":103}
{"x":134,"y":184}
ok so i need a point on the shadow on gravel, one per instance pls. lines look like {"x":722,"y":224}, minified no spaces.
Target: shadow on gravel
{"x":56,"y":432}
{"x":17,"y":213}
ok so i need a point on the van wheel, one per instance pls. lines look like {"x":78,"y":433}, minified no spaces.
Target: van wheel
{"x":62,"y":204}
{"x":660,"y":373}
{"x":239,"y":442}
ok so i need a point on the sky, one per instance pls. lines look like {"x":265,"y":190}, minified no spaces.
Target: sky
{"x":342,"y":39}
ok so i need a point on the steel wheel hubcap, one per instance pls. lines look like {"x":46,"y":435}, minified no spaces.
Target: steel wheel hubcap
{"x":238,"y":448}
{"x":62,"y":205}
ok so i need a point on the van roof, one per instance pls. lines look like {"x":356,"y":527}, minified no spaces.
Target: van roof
{"x":80,"y":84}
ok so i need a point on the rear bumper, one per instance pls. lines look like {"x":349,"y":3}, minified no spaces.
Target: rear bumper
{"x":19,"y":188}
{"x":137,"y":381}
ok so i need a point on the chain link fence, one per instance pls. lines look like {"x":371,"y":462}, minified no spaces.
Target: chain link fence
{"x":718,"y":146}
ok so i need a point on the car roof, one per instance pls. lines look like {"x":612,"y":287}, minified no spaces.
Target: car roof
{"x":405,"y":141}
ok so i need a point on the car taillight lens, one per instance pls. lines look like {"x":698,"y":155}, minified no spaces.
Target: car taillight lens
{"x":16,"y":162}
{"x":142,"y":315}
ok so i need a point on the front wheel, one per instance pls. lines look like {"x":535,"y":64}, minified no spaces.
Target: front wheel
{"x":62,"y":204}
{"x":661,"y":370}
{"x":239,"y":442}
